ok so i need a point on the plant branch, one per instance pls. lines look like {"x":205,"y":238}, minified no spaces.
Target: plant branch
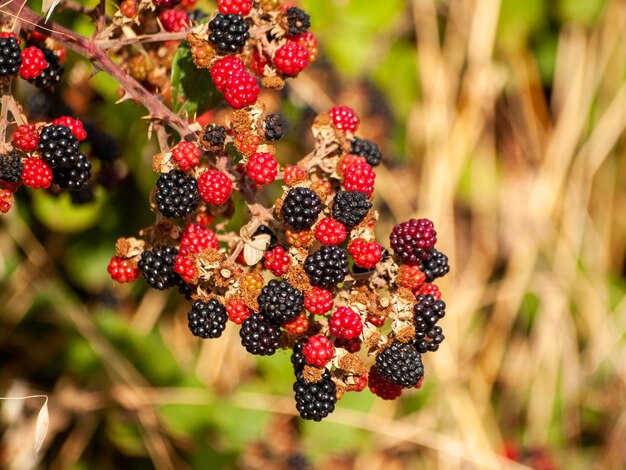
{"x":144,"y":38}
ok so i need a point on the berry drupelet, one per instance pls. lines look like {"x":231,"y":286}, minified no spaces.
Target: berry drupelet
{"x":435,"y":266}
{"x":413,"y":240}
{"x":10,"y":56}
{"x":401,"y":364}
{"x":327,"y":266}
{"x":315,"y":400}
{"x":157,"y":267}
{"x":350,"y":207}
{"x":367,"y":149}
{"x":298,"y":361}
{"x":427,"y":312}
{"x":318,"y":301}
{"x":279,"y":302}
{"x":52,"y":74}
{"x":11,"y":167}
{"x":207,"y":319}
{"x":428,"y":340}
{"x":297,"y":21}
{"x":74,"y":177}
{"x":273,"y":127}
{"x":229,"y":32}
{"x":259,"y":336}
{"x":214,"y":137}
{"x":301,"y":208}
{"x":26,"y":138}
{"x":122,"y":270}
{"x":59,"y":147}
{"x":177,"y":194}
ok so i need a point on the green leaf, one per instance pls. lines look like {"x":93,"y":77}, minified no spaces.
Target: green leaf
{"x":192,"y":89}
{"x":59,"y":214}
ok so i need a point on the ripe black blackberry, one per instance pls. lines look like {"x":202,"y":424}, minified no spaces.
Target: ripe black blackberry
{"x":273,"y":127}
{"x":214,"y":137}
{"x":297,"y":21}
{"x":401,"y":364}
{"x":229,"y":32}
{"x":177,"y":194}
{"x":366,"y":149}
{"x":207,"y":319}
{"x":11,"y":167}
{"x":58,"y":146}
{"x":185,"y":289}
{"x":327,"y":266}
{"x":298,"y":360}
{"x":427,"y":312}
{"x":413,"y":240}
{"x":301,"y":208}
{"x":350,"y":207}
{"x":259,"y":336}
{"x":73,"y":177}
{"x":279,"y":302}
{"x":157,"y":267}
{"x":10,"y":57}
{"x":428,"y":340}
{"x":435,"y":266}
{"x":82,"y":196}
{"x":52,"y":75}
{"x":315,"y":400}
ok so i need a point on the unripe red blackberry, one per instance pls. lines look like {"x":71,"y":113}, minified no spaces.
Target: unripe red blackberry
{"x":365,"y":255}
{"x":352,"y":345}
{"x":318,"y":301}
{"x":11,"y":167}
{"x":367,"y":149}
{"x":435,"y":266}
{"x":345,"y":323}
{"x":279,"y":302}
{"x":174,"y":20}
{"x":277,"y":261}
{"x":315,"y":400}
{"x":428,"y":289}
{"x":350,"y":207}
{"x":228,"y":32}
{"x":157,"y":267}
{"x":185,"y":266}
{"x":10,"y":56}
{"x":318,"y":350}
{"x":207,"y":319}
{"x":298,"y":325}
{"x":186,"y":155}
{"x":195,"y":238}
{"x":74,"y":125}
{"x":301,"y":208}
{"x":330,"y":231}
{"x":6,"y":200}
{"x":273,"y":127}
{"x":33,"y":63}
{"x":359,"y":177}
{"x":122,"y":270}
{"x":215,"y":187}
{"x":36,"y":173}
{"x":410,"y":276}
{"x":344,"y":118}
{"x":327,"y":266}
{"x":237,"y":310}
{"x":296,"y":21}
{"x":413,"y":240}
{"x":177,"y":194}
{"x":223,"y":70}
{"x":291,"y":59}
{"x":237,"y":7}
{"x":401,"y":364}
{"x":309,"y":42}
{"x":214,"y":137}
{"x":381,"y":387}
{"x":166,"y":3}
{"x":242,"y":90}
{"x":26,"y":138}
{"x":259,"y":336}
{"x":293,"y":173}
{"x":262,"y":168}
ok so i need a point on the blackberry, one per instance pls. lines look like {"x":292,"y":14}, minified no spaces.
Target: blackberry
{"x":207,"y":319}
{"x":259,"y":336}
{"x":298,"y":361}
{"x":315,"y":400}
{"x":82,"y":196}
{"x":435,"y":266}
{"x":428,"y":340}
{"x":157,"y":267}
{"x":350,"y":207}
{"x":11,"y":167}
{"x":413,"y":240}
{"x":58,"y":146}
{"x":52,"y":75}
{"x":298,"y":21}
{"x":279,"y":302}
{"x":177,"y":194}
{"x":366,"y":149}
{"x":197,"y":15}
{"x":301,"y":208}
{"x":273,"y":127}
{"x":427,"y":312}
{"x":229,"y":32}
{"x":327,"y":266}
{"x":10,"y":56}
{"x":74,"y":177}
{"x":401,"y":364}
{"x":214,"y":137}
{"x":185,"y":289}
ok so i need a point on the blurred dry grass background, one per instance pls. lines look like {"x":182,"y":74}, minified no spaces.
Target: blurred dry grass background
{"x":523,"y":177}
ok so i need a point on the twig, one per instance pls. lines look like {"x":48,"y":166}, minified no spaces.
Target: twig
{"x":4,"y":109}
